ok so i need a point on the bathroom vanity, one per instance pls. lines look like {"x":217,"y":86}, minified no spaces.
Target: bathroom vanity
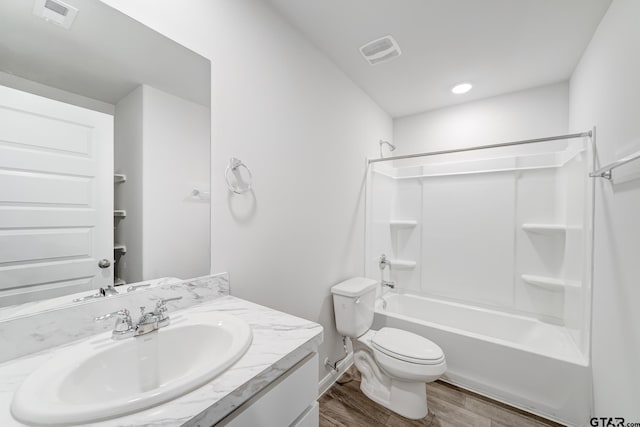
{"x":274,"y":383}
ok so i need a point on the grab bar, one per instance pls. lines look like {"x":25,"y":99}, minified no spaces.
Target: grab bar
{"x":605,"y":172}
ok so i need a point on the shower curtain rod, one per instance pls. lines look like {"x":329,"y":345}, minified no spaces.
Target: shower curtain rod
{"x":482,"y":147}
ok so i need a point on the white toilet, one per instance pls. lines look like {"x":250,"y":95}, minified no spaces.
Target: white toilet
{"x":395,"y":365}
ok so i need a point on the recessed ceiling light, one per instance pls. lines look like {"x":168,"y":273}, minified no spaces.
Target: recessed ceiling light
{"x":461,"y":88}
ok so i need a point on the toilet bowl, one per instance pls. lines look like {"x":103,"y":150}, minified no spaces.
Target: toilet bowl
{"x":394,"y":377}
{"x":395,"y":364}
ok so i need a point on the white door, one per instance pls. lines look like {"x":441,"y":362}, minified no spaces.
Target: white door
{"x":56,"y":198}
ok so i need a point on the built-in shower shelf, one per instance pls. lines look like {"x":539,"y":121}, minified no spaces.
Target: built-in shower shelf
{"x":119,"y":213}
{"x":403,"y":223}
{"x":119,"y":177}
{"x":402,"y":264}
{"x":548,"y":283}
{"x":119,"y":247}
{"x":545,"y":228}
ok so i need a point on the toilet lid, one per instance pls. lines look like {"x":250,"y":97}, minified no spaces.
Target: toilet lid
{"x":407,"y":346}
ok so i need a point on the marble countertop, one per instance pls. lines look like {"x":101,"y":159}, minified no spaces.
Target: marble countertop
{"x":279,"y":342}
{"x":32,"y":307}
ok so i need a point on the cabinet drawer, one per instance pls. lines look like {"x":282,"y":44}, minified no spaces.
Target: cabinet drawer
{"x":283,"y":401}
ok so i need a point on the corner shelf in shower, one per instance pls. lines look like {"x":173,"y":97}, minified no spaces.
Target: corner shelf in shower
{"x":120,"y":248}
{"x":402,"y":264}
{"x":403,"y":223}
{"x":549,"y":283}
{"x":119,"y":178}
{"x":119,"y":213}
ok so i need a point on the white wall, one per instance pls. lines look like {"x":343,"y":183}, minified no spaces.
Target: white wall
{"x":532,"y":113}
{"x":162,"y":144}
{"x":176,"y":158}
{"x":605,"y":92}
{"x":304,"y":129}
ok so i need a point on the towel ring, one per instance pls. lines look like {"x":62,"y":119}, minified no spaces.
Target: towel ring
{"x":233,"y":166}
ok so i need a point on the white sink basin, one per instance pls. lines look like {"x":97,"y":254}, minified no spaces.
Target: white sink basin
{"x":101,"y":379}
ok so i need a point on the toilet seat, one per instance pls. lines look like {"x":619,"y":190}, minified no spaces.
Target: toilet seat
{"x":406,"y":346}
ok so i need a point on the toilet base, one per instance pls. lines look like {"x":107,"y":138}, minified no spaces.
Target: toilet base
{"x":405,"y":398}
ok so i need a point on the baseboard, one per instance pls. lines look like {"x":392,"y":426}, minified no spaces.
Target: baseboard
{"x":330,"y":379}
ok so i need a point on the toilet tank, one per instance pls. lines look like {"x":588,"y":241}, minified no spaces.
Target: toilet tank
{"x":353,"y":305}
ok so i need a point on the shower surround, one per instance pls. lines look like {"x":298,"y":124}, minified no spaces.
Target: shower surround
{"x":490,"y":252}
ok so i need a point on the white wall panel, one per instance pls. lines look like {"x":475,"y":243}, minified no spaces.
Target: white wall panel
{"x":468,"y":237}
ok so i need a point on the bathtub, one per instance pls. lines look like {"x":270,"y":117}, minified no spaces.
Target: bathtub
{"x":515,"y":359}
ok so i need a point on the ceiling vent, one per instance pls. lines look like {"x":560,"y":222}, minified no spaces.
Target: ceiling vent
{"x":380,"y":50}
{"x":56,"y":12}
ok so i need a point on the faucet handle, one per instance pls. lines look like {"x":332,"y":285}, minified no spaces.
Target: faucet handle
{"x":161,"y":310}
{"x":123,"y":325}
{"x":161,"y":305}
{"x":88,"y":297}
{"x":124,"y":313}
{"x":134,"y":287}
{"x":383,"y":262}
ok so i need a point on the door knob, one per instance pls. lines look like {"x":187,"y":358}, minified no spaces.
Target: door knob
{"x":104,"y":263}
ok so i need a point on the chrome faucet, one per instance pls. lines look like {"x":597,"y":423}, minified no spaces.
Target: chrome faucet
{"x":148,"y":322}
{"x":383,"y":263}
{"x":102,"y":292}
{"x":389,"y":284}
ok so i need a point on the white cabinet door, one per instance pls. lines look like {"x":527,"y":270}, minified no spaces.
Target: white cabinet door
{"x":56,"y":197}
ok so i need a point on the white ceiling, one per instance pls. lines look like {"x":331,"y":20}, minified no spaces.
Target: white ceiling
{"x":103,"y":56}
{"x":498,"y":45}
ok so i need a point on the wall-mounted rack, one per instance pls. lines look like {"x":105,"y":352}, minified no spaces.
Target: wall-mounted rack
{"x":605,"y":171}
